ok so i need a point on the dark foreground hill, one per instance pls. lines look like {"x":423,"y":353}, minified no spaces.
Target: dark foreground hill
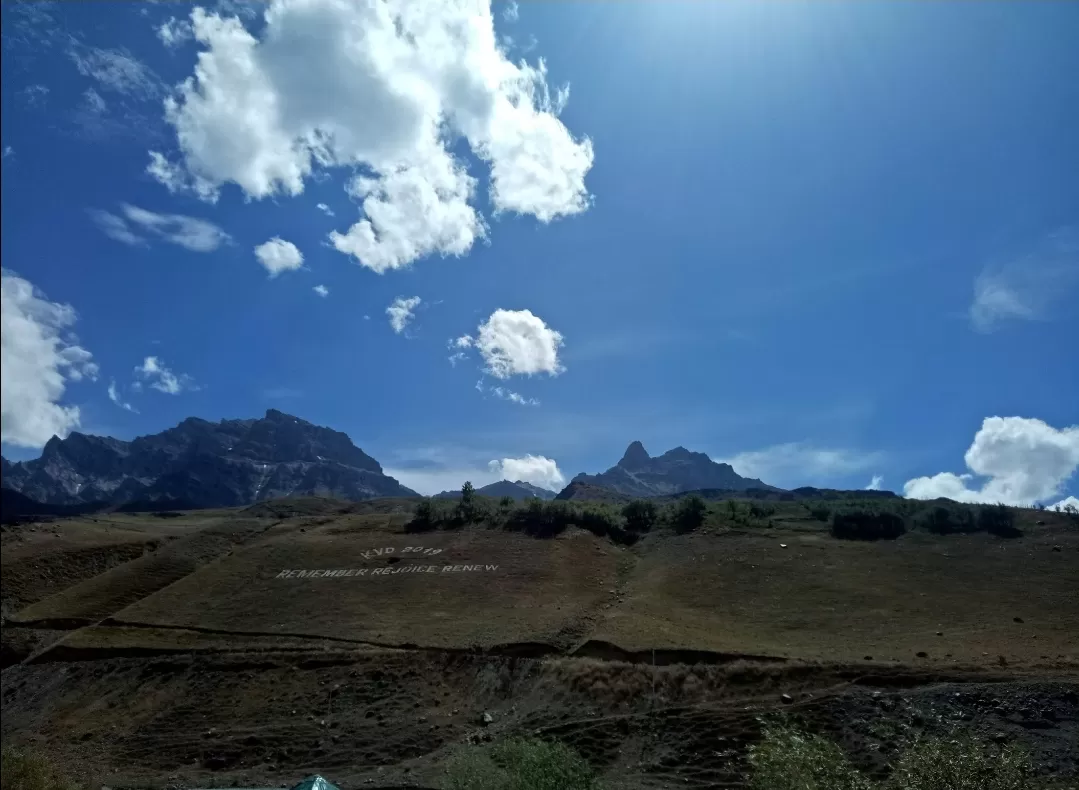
{"x":201,"y":464}
{"x":676,"y":471}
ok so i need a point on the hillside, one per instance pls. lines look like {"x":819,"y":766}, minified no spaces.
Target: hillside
{"x":254,"y":646}
{"x":679,"y":470}
{"x":517,"y":491}
{"x":202,"y":464}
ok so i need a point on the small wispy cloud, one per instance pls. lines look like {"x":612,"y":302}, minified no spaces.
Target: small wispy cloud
{"x":325,"y":209}
{"x":155,"y":374}
{"x":875,"y":483}
{"x":133,"y":225}
{"x":277,"y":256}
{"x":321,"y":290}
{"x":401,"y":312}
{"x":114,"y":396}
{"x":116,"y":70}
{"x":511,"y":12}
{"x":1027,"y":288}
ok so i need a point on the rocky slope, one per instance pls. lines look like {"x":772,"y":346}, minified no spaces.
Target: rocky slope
{"x":203,"y":464}
{"x":640,"y":475}
{"x":518,"y":491}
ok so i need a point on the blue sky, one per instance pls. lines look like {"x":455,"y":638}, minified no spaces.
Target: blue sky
{"x":827,"y":242}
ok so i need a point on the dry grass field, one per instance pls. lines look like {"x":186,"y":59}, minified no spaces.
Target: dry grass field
{"x":257,"y":646}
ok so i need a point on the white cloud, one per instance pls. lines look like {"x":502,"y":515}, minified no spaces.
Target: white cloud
{"x":321,"y":290}
{"x":39,"y":357}
{"x":324,"y":209}
{"x":116,"y":70}
{"x":513,"y":397}
{"x":511,"y":12}
{"x":177,"y":180}
{"x":175,"y":32}
{"x":1065,"y":503}
{"x":800,"y":463}
{"x":535,"y":469}
{"x":441,"y":472}
{"x":278,"y":255}
{"x":400,"y":312}
{"x":1027,"y":288}
{"x":516,"y":342}
{"x":114,"y":396}
{"x":8,"y":151}
{"x":1023,"y":460}
{"x":456,"y":357}
{"x":197,"y":235}
{"x":387,"y":87}
{"x":464,"y":341}
{"x":154,"y":372}
{"x":35,"y":95}
{"x":875,"y":483}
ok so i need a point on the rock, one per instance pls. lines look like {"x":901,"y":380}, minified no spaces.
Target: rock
{"x":786,"y":699}
{"x":486,"y":718}
{"x":1017,"y":619}
{"x":940,"y":633}
{"x":999,"y":737}
{"x":782,"y":545}
{"x":1058,"y":548}
{"x":867,"y":658}
{"x":922,"y":654}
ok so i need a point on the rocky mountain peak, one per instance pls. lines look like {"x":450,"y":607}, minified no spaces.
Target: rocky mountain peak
{"x":635,"y":457}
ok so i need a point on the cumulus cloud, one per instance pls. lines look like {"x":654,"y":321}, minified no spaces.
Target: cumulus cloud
{"x":1028,"y":287}
{"x":114,"y":396}
{"x":534,"y":469}
{"x":197,"y":235}
{"x":321,"y":290}
{"x":800,"y":463}
{"x":1023,"y":461}
{"x":278,"y":255}
{"x":175,"y":32}
{"x":1066,"y":503}
{"x":516,"y":342}
{"x":39,"y":356}
{"x":154,"y":373}
{"x":116,"y":70}
{"x":385,"y":87}
{"x":400,"y":312}
{"x":875,"y":483}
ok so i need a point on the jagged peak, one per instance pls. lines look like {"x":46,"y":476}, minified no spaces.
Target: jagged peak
{"x":635,"y":456}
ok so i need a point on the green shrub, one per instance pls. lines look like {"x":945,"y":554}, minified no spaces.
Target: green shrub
{"x":820,"y":513}
{"x":688,"y":513}
{"x":424,"y":519}
{"x":788,"y":759}
{"x":640,"y":515}
{"x":520,"y":764}
{"x":24,"y":770}
{"x":942,"y":520}
{"x":962,"y":763}
{"x":867,"y":525}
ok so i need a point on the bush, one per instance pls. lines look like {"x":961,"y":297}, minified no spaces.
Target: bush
{"x":424,"y":519}
{"x":998,"y":520}
{"x":24,"y":770}
{"x":640,"y":515}
{"x":820,"y":513}
{"x":689,"y":513}
{"x":520,"y":764}
{"x":867,"y":525}
{"x":945,"y":521}
{"x":789,"y":759}
{"x":961,"y":763}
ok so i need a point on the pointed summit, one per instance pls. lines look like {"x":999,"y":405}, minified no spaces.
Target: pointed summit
{"x":635,"y":457}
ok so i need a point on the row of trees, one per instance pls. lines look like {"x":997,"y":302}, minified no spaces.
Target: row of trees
{"x":545,"y":519}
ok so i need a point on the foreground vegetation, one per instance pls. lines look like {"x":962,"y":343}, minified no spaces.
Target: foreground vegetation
{"x":848,"y":515}
{"x":21,"y":769}
{"x":786,"y":758}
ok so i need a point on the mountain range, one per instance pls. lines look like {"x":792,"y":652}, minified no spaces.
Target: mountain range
{"x":203,"y":464}
{"x":232,"y":463}
{"x":517,"y":491}
{"x":676,"y":471}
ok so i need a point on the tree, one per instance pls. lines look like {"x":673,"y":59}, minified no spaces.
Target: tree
{"x":640,"y":515}
{"x":689,"y":513}
{"x":466,"y":507}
